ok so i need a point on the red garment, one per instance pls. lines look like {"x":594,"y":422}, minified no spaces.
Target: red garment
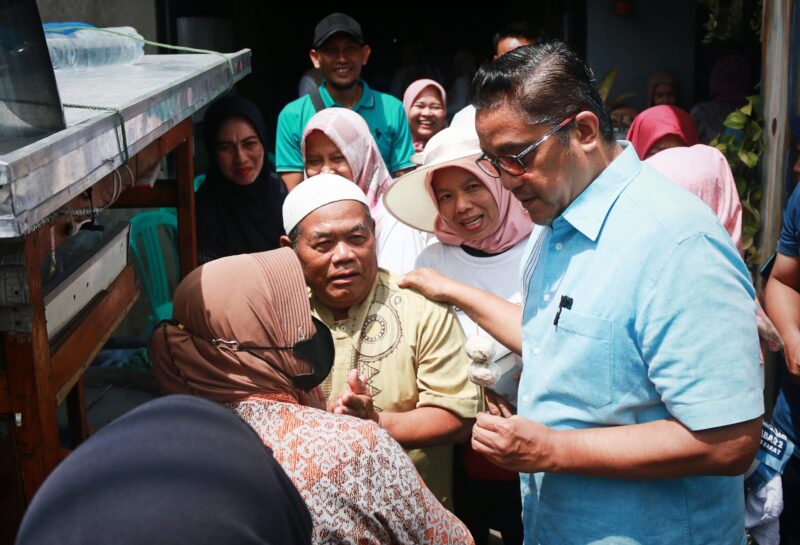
{"x":655,"y":123}
{"x":478,"y":467}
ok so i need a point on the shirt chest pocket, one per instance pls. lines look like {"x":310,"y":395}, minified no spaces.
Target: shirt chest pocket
{"x":583,"y":359}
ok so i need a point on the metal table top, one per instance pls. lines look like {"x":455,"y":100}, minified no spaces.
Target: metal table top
{"x":154,"y":94}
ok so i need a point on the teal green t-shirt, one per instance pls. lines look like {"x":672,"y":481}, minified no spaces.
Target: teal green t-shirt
{"x":383,"y":113}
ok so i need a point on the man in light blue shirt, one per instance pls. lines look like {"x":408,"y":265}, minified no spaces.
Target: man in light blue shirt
{"x":640,"y":399}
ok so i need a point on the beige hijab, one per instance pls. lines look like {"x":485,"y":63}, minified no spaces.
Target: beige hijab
{"x":256,"y":299}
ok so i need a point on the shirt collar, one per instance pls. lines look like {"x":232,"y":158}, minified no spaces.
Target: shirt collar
{"x":588,"y":212}
{"x":367,"y":99}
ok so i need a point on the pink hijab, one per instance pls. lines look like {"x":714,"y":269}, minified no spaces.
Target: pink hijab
{"x":411,"y":94}
{"x":350,"y":133}
{"x":655,"y":123}
{"x":513,"y":223}
{"x":704,"y":171}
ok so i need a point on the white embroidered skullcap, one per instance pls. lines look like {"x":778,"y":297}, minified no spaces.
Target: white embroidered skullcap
{"x":316,"y":192}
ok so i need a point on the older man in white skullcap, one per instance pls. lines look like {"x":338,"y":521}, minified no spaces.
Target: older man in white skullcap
{"x":399,"y":356}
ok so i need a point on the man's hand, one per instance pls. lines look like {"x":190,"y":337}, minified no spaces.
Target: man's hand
{"x":513,"y":442}
{"x":661,"y":449}
{"x":355,"y":400}
{"x":430,"y":283}
{"x":497,"y":405}
{"x":499,"y":318}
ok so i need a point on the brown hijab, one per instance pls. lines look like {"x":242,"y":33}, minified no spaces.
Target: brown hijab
{"x":256,"y":299}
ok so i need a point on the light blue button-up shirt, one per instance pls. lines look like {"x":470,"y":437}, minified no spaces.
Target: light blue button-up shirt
{"x":661,"y":325}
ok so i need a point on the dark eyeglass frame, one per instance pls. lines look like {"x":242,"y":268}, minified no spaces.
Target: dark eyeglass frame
{"x":514,"y":164}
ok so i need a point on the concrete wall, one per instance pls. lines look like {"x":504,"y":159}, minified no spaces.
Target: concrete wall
{"x":657,"y":36}
{"x":140,"y":14}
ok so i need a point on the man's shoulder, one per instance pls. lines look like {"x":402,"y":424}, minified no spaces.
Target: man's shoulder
{"x":387,"y":101}
{"x":793,"y":205}
{"x":295,"y":110}
{"x":663,"y":210}
{"x":420,"y":304}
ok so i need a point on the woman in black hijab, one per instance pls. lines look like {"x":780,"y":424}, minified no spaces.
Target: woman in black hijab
{"x":176,"y":470}
{"x":239,"y":205}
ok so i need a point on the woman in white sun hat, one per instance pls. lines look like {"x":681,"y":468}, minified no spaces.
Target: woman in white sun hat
{"x":482,"y":231}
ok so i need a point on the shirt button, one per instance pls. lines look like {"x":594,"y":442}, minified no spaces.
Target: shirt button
{"x":559,"y":245}
{"x":546,"y":297}
{"x":526,"y":398}
{"x":536,"y":351}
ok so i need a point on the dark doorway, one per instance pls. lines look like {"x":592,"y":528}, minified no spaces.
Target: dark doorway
{"x":430,"y":34}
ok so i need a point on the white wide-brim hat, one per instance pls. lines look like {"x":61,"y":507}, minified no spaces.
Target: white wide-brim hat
{"x":316,"y":192}
{"x":408,"y":198}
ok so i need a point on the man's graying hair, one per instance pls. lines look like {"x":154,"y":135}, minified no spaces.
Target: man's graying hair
{"x":294,"y":234}
{"x":546,"y":82}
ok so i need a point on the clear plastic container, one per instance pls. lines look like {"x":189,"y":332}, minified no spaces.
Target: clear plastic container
{"x":91,"y":47}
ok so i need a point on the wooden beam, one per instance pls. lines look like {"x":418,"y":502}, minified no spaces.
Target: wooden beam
{"x":5,"y":398}
{"x":180,"y":134}
{"x":164,"y":193}
{"x":147,"y":159}
{"x":76,"y":353}
{"x":778,"y":63}
{"x":187,"y":234}
{"x":76,"y":414}
{"x":28,"y":372}
{"x":12,"y":499}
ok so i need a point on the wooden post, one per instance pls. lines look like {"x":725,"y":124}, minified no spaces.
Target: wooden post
{"x":187,"y":236}
{"x":76,"y":414}
{"x":27,"y":356}
{"x":776,"y":34}
{"x":12,"y":499}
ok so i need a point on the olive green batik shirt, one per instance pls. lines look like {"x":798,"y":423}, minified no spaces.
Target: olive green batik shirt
{"x":411,"y":350}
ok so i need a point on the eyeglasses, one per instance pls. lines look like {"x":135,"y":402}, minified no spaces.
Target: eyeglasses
{"x":513,"y":164}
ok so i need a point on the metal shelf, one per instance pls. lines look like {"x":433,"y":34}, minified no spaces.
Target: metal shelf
{"x":153,"y":95}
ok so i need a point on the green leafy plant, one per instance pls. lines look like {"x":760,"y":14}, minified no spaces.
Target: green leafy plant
{"x":742,"y":146}
{"x":604,"y":89}
{"x":725,"y":21}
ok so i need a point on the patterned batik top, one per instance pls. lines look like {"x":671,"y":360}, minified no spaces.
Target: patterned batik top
{"x":358,"y":484}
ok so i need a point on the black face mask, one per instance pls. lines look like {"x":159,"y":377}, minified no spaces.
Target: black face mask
{"x":316,"y":350}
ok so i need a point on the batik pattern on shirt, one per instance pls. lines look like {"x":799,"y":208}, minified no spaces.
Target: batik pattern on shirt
{"x":358,"y":484}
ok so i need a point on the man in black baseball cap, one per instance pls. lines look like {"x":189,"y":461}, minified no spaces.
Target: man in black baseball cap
{"x":333,"y":23}
{"x":339,"y":51}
